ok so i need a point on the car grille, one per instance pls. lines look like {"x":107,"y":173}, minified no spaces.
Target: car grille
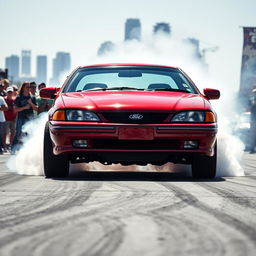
{"x":123,"y":117}
{"x":135,"y":144}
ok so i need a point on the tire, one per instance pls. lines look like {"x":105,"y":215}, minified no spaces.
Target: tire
{"x":204,"y":167}
{"x":54,"y":166}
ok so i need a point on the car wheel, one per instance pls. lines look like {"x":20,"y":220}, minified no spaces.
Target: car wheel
{"x":204,"y":167}
{"x":54,"y":166}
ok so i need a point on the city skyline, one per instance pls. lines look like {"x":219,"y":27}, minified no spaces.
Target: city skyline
{"x":214,"y":23}
{"x":61,"y":63}
{"x":19,"y":67}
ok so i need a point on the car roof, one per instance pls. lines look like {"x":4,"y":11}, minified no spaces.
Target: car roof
{"x":127,"y":64}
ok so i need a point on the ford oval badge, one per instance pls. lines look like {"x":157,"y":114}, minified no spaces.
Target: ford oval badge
{"x":135,"y":116}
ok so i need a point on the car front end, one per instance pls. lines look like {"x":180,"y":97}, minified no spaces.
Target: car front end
{"x":155,"y":143}
{"x":153,"y":124}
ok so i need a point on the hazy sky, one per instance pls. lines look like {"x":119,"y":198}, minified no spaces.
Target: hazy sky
{"x":80,"y":26}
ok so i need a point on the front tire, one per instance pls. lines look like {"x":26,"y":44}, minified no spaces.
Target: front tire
{"x":204,"y":167}
{"x":54,"y":166}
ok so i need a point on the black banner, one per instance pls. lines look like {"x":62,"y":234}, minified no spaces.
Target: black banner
{"x":248,"y":68}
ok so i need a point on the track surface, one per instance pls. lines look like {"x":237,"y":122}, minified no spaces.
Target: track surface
{"x":117,"y":213}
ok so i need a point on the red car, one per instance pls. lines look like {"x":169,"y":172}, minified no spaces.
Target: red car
{"x":130,"y":114}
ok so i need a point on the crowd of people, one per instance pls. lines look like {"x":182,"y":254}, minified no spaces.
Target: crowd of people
{"x":18,"y":105}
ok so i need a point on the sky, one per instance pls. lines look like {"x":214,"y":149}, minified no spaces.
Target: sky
{"x":80,"y":26}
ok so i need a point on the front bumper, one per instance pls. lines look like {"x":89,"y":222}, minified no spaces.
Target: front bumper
{"x":132,"y":138}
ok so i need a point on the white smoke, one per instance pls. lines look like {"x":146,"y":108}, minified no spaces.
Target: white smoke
{"x":177,"y":52}
{"x":230,"y":152}
{"x":230,"y":147}
{"x":29,"y":159}
{"x":159,"y":50}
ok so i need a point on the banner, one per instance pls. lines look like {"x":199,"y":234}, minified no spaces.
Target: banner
{"x":248,"y":68}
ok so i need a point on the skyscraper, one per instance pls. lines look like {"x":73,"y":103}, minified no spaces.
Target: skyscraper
{"x":41,"y":69}
{"x":25,"y":62}
{"x":195,"y":44}
{"x":61,"y":65}
{"x":12,"y":64}
{"x":132,"y":29}
{"x":106,"y":47}
{"x":162,"y":27}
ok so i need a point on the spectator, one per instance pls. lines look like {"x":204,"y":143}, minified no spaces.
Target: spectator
{"x":15,"y":91}
{"x":2,"y":92}
{"x":43,"y":104}
{"x":3,"y":107}
{"x":10,"y":117}
{"x":33,"y":89}
{"x":33,"y":94}
{"x":41,"y":86}
{"x":5,"y":84}
{"x":24,"y":105}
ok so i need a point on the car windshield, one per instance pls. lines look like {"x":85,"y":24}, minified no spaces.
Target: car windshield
{"x":130,"y":78}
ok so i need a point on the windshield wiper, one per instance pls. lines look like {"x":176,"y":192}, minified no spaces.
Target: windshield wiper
{"x":113,"y":88}
{"x":122,"y":88}
{"x":168,"y":89}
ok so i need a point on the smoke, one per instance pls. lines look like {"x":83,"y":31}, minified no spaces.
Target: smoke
{"x":230,"y":152}
{"x":29,"y":159}
{"x":158,"y":50}
{"x":164,"y":50}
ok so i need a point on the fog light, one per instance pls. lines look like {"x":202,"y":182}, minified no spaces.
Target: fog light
{"x":80,"y":144}
{"x":190,"y":144}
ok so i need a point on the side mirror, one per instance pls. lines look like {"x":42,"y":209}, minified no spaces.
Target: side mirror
{"x":211,"y":94}
{"x":49,"y":93}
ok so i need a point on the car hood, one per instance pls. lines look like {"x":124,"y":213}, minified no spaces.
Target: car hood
{"x":133,"y":100}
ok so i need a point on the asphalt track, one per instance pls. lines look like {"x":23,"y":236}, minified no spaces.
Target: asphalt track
{"x":127,"y":213}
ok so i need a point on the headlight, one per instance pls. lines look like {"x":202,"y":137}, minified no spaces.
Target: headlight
{"x":190,"y":116}
{"x":81,"y":115}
